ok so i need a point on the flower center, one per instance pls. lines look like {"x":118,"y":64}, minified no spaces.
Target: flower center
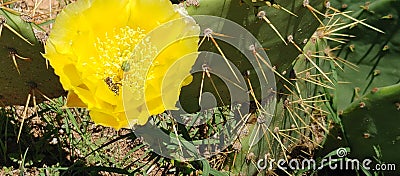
{"x":115,"y":56}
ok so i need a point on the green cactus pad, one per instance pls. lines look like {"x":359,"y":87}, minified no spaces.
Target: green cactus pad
{"x":376,"y":54}
{"x":22,"y":44}
{"x":373,"y":121}
{"x":301,"y":24}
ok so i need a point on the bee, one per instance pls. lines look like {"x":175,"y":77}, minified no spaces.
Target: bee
{"x":113,"y":86}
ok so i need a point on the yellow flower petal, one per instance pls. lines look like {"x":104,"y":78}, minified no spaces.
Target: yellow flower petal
{"x":73,"y":100}
{"x":91,"y":47}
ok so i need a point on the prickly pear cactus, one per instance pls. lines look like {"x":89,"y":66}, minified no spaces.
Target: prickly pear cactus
{"x":366,"y":96}
{"x":272,"y":23}
{"x":23,"y":70}
{"x":370,"y":117}
{"x":282,"y":28}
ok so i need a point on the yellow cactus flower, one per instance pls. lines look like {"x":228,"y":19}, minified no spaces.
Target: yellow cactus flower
{"x":114,"y":60}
